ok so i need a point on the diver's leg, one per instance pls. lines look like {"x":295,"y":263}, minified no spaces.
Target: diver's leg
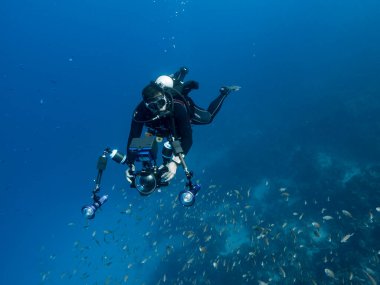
{"x":200,"y":116}
{"x":216,"y":104}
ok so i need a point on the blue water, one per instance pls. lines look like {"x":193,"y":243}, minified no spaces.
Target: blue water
{"x":298,"y":142}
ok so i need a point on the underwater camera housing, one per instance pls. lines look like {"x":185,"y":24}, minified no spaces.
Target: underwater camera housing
{"x":148,"y":179}
{"x":144,"y":149}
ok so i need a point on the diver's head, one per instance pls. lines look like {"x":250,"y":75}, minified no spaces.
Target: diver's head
{"x":154,"y":98}
{"x":165,"y":81}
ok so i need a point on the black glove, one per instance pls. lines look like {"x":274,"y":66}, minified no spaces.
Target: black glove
{"x":188,"y":86}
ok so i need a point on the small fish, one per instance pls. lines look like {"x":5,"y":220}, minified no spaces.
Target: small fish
{"x":316,"y":225}
{"x":202,"y":249}
{"x":371,"y":279}
{"x":329,"y":273}
{"x":44,"y":276}
{"x":347,"y":213}
{"x":346,"y":237}
{"x":370,"y":217}
{"x":351,"y":276}
{"x":189,"y":234}
{"x":125,"y":279}
{"x":282,"y":272}
{"x":127,"y":211}
{"x":378,"y":209}
{"x":327,"y":218}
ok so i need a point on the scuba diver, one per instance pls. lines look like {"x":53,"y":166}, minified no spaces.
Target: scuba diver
{"x":168,"y":112}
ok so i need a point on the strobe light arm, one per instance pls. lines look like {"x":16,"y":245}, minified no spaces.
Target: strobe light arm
{"x":89,"y":210}
{"x":101,"y":166}
{"x":187,"y":196}
{"x":178,"y":151}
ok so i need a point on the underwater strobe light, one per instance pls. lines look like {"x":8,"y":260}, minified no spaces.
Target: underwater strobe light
{"x":89,"y":210}
{"x":187,"y":196}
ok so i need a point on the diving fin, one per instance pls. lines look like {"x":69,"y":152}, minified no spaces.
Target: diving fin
{"x":225,"y":90}
{"x":233,"y":88}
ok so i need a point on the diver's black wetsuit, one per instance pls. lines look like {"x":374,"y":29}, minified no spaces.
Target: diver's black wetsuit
{"x":201,"y":116}
{"x":162,"y":126}
{"x":183,"y":110}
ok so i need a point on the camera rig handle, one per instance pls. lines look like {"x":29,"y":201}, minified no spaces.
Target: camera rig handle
{"x":101,"y":166}
{"x":178,"y":151}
